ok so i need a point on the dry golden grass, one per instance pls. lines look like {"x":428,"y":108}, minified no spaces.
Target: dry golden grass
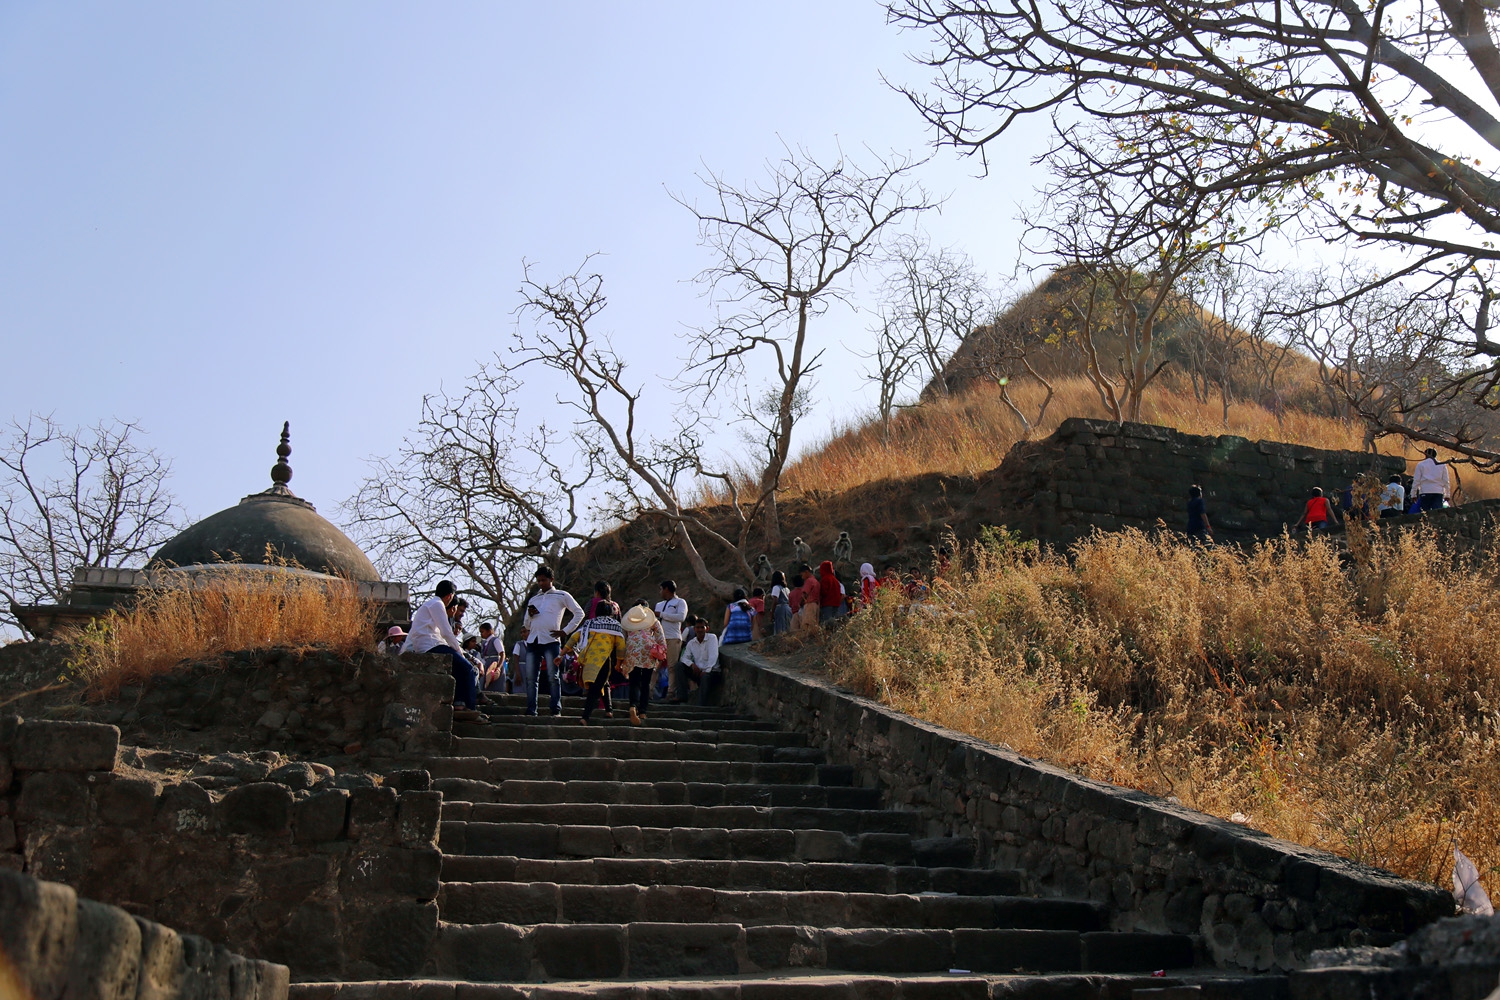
{"x":970,"y":434}
{"x":1353,"y":709}
{"x":241,"y":610}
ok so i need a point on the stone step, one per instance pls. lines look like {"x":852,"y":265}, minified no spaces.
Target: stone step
{"x":667,"y":793}
{"x":564,"y":729}
{"x":478,"y":765}
{"x":500,"y":952}
{"x":782,"y":876}
{"x":551,"y":903}
{"x":826,"y":986}
{"x":572,"y":719}
{"x":517,"y":700}
{"x":850,"y":821}
{"x":634,"y":750}
{"x":562,"y":840}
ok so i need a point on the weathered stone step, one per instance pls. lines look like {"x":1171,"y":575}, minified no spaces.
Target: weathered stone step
{"x":551,"y":903}
{"x":481,"y":767}
{"x":561,"y":840}
{"x":573,"y":720}
{"x":849,"y":821}
{"x":667,"y":793}
{"x":665,"y":709}
{"x":513,"y":953}
{"x":634,"y":750}
{"x":786,"y":876}
{"x":821,"y":986}
{"x":556,"y":729}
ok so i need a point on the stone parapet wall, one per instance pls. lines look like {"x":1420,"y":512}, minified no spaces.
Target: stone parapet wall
{"x":1111,"y":475}
{"x":309,"y":701}
{"x":61,"y":947}
{"x":1258,"y":903}
{"x":333,"y":876}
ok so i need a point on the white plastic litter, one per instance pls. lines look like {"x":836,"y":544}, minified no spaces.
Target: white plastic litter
{"x":1467,"y":891}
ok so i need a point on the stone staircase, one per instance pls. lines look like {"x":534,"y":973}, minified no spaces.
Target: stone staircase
{"x":711,"y":854}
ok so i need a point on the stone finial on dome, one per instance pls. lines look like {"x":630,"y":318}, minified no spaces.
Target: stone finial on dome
{"x":281,"y":472}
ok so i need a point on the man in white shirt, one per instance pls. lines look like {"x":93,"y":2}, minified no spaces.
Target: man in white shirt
{"x":671,"y":612}
{"x":1393,"y":498}
{"x":432,"y":633}
{"x":544,"y":635}
{"x":1429,"y":482}
{"x":700,"y":662}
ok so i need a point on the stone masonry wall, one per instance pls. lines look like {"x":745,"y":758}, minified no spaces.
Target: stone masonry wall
{"x":61,"y":947}
{"x":1259,"y":903}
{"x":308,"y":701}
{"x":333,"y":876}
{"x":1114,"y":475}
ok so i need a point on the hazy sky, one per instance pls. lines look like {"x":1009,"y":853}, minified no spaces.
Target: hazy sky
{"x":218,"y":217}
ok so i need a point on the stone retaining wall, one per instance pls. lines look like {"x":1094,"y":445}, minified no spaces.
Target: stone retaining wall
{"x":1113,"y":475}
{"x":333,"y":876}
{"x":65,"y":948}
{"x":308,"y":701}
{"x":1259,"y":903}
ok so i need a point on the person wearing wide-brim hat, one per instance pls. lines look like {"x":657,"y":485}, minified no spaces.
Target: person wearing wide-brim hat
{"x":645,"y":650}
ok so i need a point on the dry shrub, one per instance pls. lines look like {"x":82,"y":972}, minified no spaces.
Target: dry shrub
{"x":1347,"y":704}
{"x":246,"y":609}
{"x":971,"y":433}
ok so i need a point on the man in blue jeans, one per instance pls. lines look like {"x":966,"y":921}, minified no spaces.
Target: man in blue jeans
{"x":432,"y":633}
{"x":544,"y":635}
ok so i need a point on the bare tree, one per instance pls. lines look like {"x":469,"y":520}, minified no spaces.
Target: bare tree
{"x":1365,"y":123}
{"x":1218,"y":326}
{"x":785,"y":251}
{"x":1125,"y":244}
{"x":76,"y":497}
{"x":645,"y":476}
{"x":474,"y":495}
{"x":1005,"y":351}
{"x":896,"y":358}
{"x":939,"y":297}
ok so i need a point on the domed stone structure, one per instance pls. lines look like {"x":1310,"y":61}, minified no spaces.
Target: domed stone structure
{"x":271,"y":531}
{"x":269,"y":528}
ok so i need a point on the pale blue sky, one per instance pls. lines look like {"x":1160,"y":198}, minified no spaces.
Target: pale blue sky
{"x":216,"y":217}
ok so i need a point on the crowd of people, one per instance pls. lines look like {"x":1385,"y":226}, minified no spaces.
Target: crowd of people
{"x":649,"y":651}
{"x":1428,"y":488}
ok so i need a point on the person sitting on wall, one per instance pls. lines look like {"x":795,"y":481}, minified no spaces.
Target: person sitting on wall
{"x":1393,"y":498}
{"x":391,"y":644}
{"x":432,"y":633}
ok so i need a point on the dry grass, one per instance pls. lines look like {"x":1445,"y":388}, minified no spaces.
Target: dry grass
{"x":970,"y":434}
{"x":1351,"y":708}
{"x":243,"y":610}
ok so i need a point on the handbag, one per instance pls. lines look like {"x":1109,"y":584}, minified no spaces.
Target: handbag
{"x":658,"y":651}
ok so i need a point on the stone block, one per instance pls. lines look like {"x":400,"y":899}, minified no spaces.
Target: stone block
{"x":408,"y":873}
{"x":417,"y":815}
{"x":261,"y":808}
{"x":106,"y":961}
{"x":580,"y":951}
{"x":601,"y":904}
{"x":127,"y":801}
{"x":320,"y":817}
{"x":398,"y":937}
{"x":1118,"y":951}
{"x":585,"y":841}
{"x":38,"y":931}
{"x":881,"y":950}
{"x":1008,"y":951}
{"x":160,"y":969}
{"x":786,"y":947}
{"x":372,"y":814}
{"x":659,"y":950}
{"x":54,"y":797}
{"x":488,"y":903}
{"x":64,"y":746}
{"x":485,"y":953}
{"x":678,"y":903}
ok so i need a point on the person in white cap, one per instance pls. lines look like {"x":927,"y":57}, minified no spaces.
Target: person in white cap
{"x":645,"y":650}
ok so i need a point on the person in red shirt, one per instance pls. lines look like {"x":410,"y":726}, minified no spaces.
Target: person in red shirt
{"x":830,"y":593}
{"x":758,"y":604}
{"x":1316,"y":514}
